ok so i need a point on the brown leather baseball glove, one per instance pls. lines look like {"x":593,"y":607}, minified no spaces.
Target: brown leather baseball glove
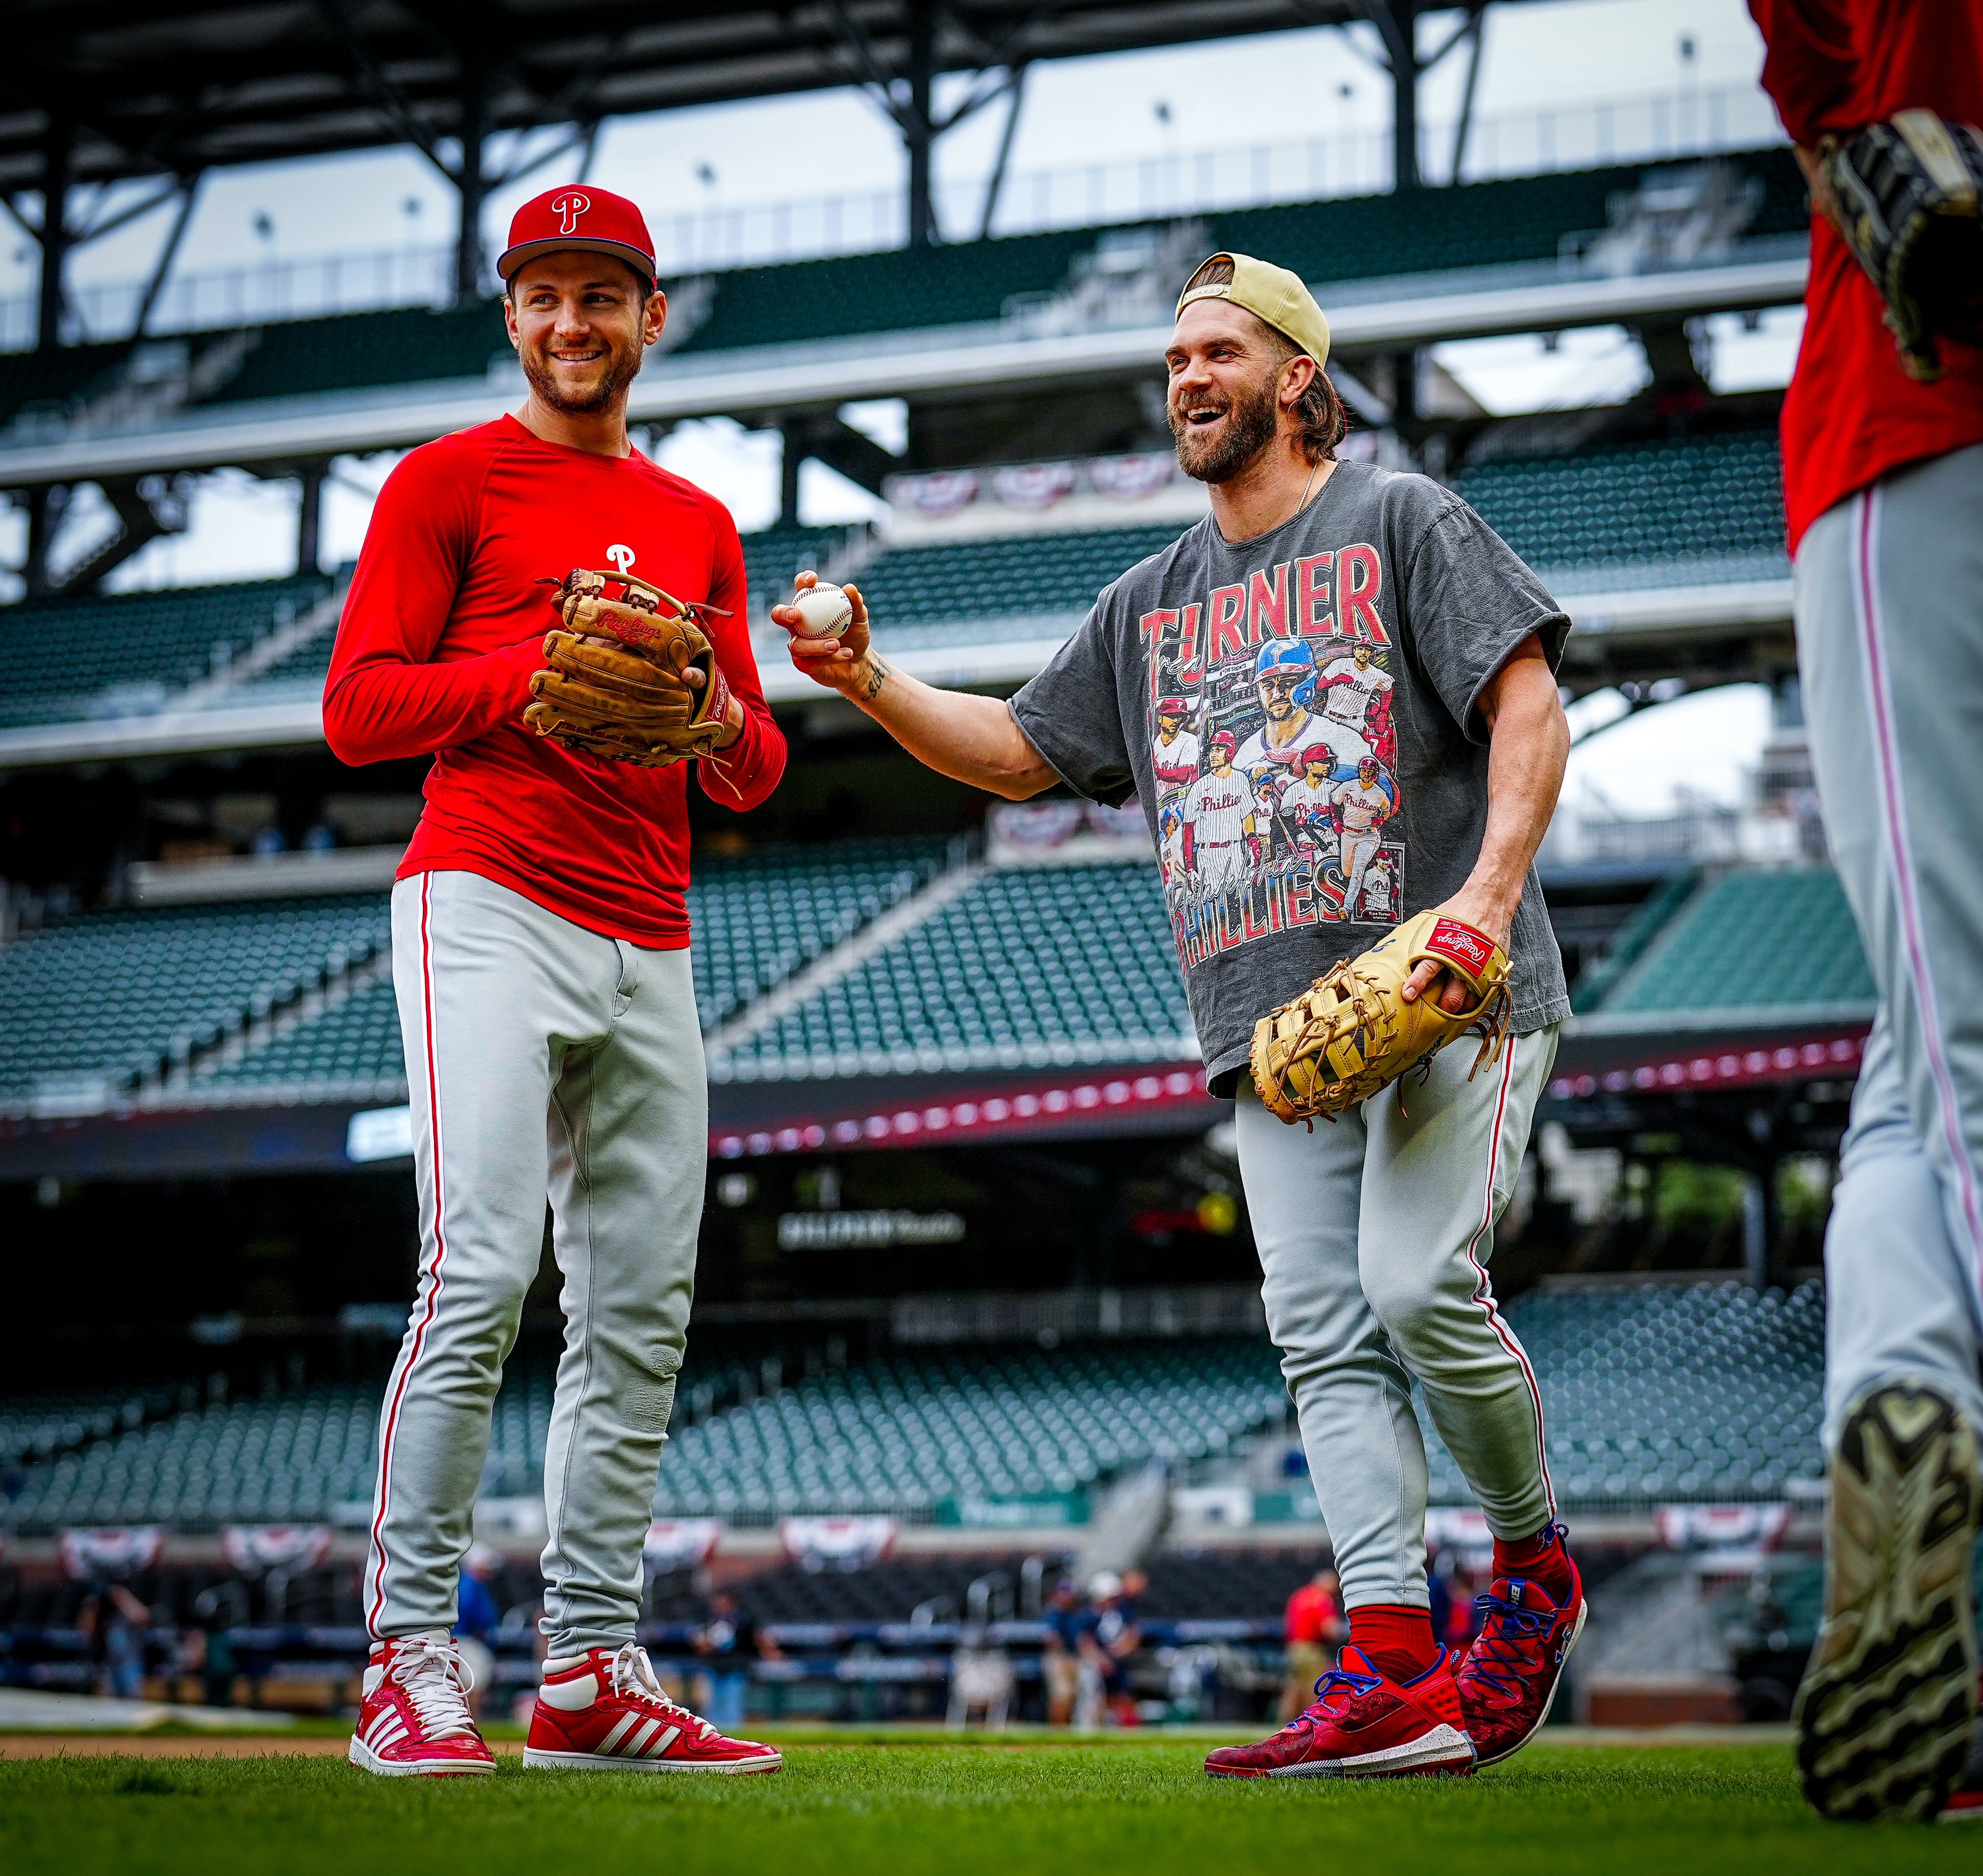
{"x":1352,"y":1033}
{"x":618,"y":685}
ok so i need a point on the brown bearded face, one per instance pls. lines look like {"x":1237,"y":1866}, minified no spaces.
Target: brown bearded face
{"x":1252,"y":417}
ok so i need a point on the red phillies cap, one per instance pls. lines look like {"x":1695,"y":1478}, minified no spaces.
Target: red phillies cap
{"x":593,"y":220}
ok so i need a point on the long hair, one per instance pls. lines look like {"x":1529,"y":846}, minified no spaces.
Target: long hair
{"x":1320,"y":421}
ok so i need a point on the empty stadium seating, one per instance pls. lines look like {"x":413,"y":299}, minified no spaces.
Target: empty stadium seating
{"x":760,"y":917}
{"x":34,"y":1426}
{"x":53,"y":381}
{"x":1032,"y":966}
{"x":756,"y":918}
{"x":106,"y":654}
{"x":1720,"y":949}
{"x":1693,"y":509}
{"x":1708,"y":508}
{"x":1347,"y":239}
{"x":357,"y":1042}
{"x":905,"y":1434}
{"x":967,"y":581}
{"x":1703,"y":1391}
{"x":1653,"y":1393}
{"x":119,"y":993}
{"x":270,"y":1461}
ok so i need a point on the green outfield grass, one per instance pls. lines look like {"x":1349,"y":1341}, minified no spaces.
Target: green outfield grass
{"x":930,"y":1809}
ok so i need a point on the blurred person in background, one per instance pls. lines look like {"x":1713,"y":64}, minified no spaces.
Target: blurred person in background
{"x":730,"y":1641}
{"x":1110,"y":1636}
{"x":1060,"y":1653}
{"x":113,"y":1621}
{"x":1314,"y":1629}
{"x":1882,"y":488}
{"x":477,"y":1620}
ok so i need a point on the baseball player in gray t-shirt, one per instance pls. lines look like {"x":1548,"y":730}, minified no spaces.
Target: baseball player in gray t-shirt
{"x":1363,"y":635}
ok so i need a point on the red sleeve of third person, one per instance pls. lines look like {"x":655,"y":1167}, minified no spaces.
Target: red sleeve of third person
{"x":746,"y":773}
{"x":1809,"y":69}
{"x":383,"y":700}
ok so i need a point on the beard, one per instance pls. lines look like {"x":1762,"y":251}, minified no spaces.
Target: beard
{"x":615,"y":372}
{"x":1251,"y":420}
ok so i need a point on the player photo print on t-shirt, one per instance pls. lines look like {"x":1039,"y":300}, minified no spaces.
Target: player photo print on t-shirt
{"x":1274,"y":754}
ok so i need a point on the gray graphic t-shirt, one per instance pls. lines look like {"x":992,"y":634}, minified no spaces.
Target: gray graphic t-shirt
{"x":1296,"y":714}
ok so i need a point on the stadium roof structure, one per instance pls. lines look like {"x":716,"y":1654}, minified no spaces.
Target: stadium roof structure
{"x":124,"y":89}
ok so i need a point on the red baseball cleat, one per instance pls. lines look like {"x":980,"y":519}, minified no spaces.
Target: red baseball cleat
{"x":600,"y":1711}
{"x":1509,"y":1677}
{"x":414,"y":1722}
{"x":1363,"y":1726}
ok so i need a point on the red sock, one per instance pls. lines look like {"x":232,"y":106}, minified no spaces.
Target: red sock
{"x":1542,"y":1559}
{"x":1397,"y":1641}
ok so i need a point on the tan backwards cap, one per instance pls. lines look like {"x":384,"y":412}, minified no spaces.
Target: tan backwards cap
{"x":1269,"y":292}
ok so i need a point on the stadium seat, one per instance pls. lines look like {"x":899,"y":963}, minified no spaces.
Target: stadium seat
{"x":1702,"y":1391}
{"x":1719,"y":950}
{"x":121,"y":994}
{"x":758,"y":917}
{"x":1653,"y":1392}
{"x":1632,"y":513}
{"x":1342,"y":240}
{"x":121,"y":654}
{"x":1033,"y":966}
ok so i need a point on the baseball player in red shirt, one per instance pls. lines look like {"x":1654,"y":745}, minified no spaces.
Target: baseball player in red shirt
{"x":541,"y":955}
{"x":1883,"y":477}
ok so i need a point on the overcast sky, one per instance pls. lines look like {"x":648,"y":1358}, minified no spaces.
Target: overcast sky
{"x":1557,"y":55}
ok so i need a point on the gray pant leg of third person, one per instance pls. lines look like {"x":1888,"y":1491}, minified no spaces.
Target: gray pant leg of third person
{"x":1374,"y":1236}
{"x":1890,"y":635}
{"x":543,"y":1060}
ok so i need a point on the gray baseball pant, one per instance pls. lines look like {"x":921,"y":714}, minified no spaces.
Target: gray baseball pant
{"x":542,"y":1059}
{"x":1374,"y":1236}
{"x":1889,"y":602}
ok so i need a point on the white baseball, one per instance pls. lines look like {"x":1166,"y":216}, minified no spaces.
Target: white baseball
{"x":826,"y":609}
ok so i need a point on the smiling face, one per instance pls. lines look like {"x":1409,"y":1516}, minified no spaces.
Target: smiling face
{"x":581,"y":323}
{"x":1223,"y":403}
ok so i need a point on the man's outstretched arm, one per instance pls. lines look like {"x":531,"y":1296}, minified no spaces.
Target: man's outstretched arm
{"x":969,"y":739}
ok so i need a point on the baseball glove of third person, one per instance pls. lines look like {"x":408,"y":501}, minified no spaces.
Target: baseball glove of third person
{"x":1907,"y":196}
{"x":615,"y":686}
{"x":1352,"y":1033}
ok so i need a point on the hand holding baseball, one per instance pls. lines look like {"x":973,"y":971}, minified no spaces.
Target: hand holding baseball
{"x":836,"y":660}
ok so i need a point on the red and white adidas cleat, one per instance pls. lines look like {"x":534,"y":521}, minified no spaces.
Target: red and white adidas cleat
{"x":1508,"y":1680}
{"x":600,"y":1711}
{"x":1363,"y":1725}
{"x":414,"y":1722}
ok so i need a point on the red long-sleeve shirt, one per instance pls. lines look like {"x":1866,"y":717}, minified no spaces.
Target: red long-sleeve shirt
{"x":444,"y":626}
{"x":1852,"y":414}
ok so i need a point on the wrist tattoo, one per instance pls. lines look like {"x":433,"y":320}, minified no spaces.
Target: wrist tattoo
{"x":878,"y":673}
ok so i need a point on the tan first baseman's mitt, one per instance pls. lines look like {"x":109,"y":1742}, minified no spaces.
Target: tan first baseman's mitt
{"x":615,"y":687}
{"x":1352,"y":1033}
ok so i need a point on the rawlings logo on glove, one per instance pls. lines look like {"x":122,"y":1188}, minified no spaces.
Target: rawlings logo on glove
{"x":632,"y":677}
{"x":1351,"y":1034}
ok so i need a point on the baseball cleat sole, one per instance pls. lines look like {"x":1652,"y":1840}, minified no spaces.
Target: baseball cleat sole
{"x":538,"y":1759}
{"x":1882,"y":1718}
{"x":362,"y":1756}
